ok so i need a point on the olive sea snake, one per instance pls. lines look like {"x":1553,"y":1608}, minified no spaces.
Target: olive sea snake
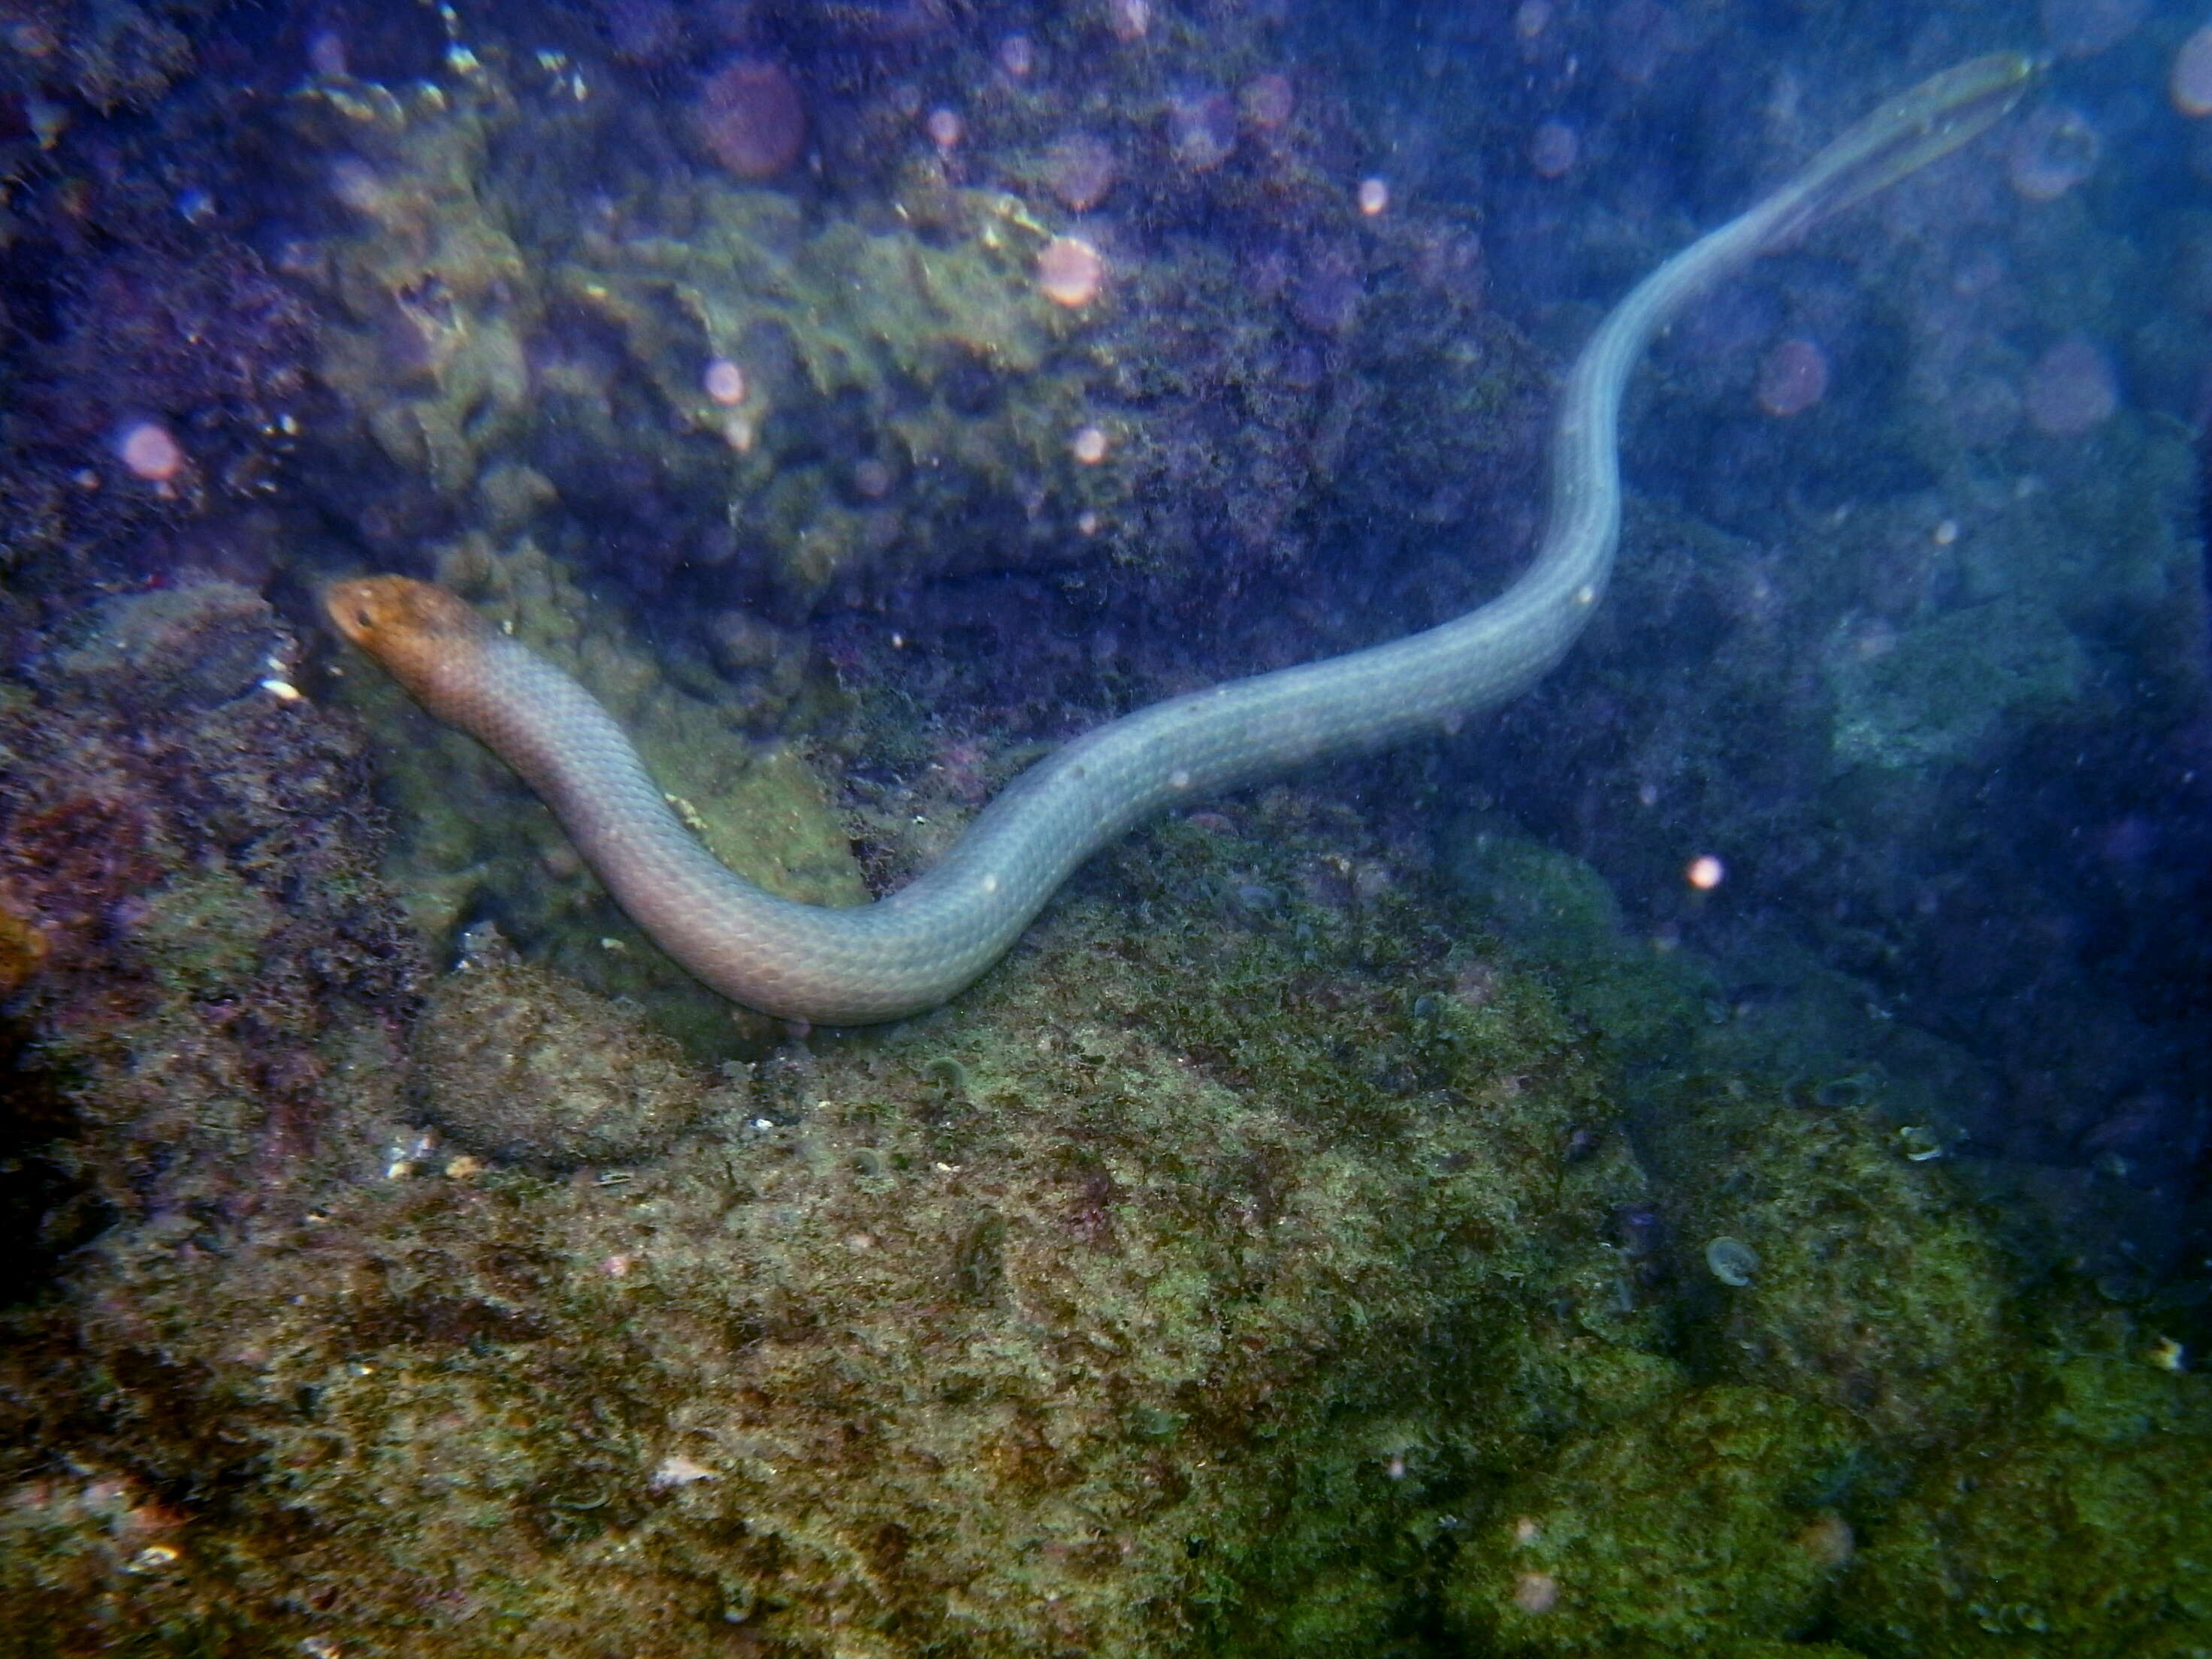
{"x":922,"y":944}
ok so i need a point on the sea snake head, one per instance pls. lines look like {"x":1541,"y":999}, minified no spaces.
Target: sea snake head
{"x":429,"y":639}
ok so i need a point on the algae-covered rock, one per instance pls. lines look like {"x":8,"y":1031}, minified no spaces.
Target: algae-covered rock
{"x":1876,"y":1289}
{"x":1684,"y":1529}
{"x":518,"y":1063}
{"x":2085,"y":1534}
{"x":1936,"y":692}
{"x":1155,"y":1297}
{"x":193,"y":646}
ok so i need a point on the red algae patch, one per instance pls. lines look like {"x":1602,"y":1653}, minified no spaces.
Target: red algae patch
{"x":1070,"y":271}
{"x":750,"y":116}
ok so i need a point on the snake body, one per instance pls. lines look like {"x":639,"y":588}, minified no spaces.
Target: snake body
{"x":922,"y":944}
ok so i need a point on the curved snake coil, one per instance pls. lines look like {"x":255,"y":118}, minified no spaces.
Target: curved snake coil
{"x":922,"y":944}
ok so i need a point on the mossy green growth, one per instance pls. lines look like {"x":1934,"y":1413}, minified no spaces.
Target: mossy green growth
{"x":1173,"y":1331}
{"x":203,"y":935}
{"x":1687,"y":1530}
{"x":1554,"y":910}
{"x":1877,"y":1290}
{"x":435,"y":298}
{"x":2084,"y":1532}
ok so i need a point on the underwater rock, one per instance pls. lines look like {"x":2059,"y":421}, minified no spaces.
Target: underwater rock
{"x":194,"y":845}
{"x":1117,"y":1347}
{"x":2086,"y":1533}
{"x":1870,"y":1285}
{"x":193,"y":646}
{"x":1687,"y":1529}
{"x":519,"y":1064}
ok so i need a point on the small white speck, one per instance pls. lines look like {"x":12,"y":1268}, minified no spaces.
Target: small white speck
{"x":282,"y":690}
{"x":1179,"y":780}
{"x":1585,"y":594}
{"x":990,"y":884}
{"x":680,"y":1471}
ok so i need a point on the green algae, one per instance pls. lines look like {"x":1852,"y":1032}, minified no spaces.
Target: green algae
{"x":1218,"y":1276}
{"x":203,"y":935}
{"x":2084,"y":1532}
{"x":861,"y":1377}
{"x":1694,"y":1527}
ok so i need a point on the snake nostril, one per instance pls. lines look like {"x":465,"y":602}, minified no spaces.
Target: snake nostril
{"x":360,"y":619}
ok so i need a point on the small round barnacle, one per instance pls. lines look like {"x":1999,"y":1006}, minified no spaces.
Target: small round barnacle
{"x":949,"y":1075}
{"x":1732,"y":1261}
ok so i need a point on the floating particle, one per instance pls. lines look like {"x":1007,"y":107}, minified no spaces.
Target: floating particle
{"x":1535,"y":1592}
{"x":1704,"y":872}
{"x":1553,"y":149}
{"x":1793,"y":376}
{"x":1374,"y":197}
{"x":1128,"y":19}
{"x":751,"y":117}
{"x":680,"y":1471}
{"x":1017,"y":57}
{"x":151,"y":451}
{"x":946,"y":128}
{"x":1829,"y":1542}
{"x":1070,"y":271}
{"x":872,"y":479}
{"x":725,"y":382}
{"x":2052,"y":151}
{"x":1532,"y":18}
{"x":1201,"y":125}
{"x":1267,"y":100}
{"x":1089,"y":446}
{"x":2190,"y":81}
{"x":2072,"y":389}
{"x":1080,"y":169}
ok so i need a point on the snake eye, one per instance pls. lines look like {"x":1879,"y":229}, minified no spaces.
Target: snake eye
{"x":360,"y":619}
